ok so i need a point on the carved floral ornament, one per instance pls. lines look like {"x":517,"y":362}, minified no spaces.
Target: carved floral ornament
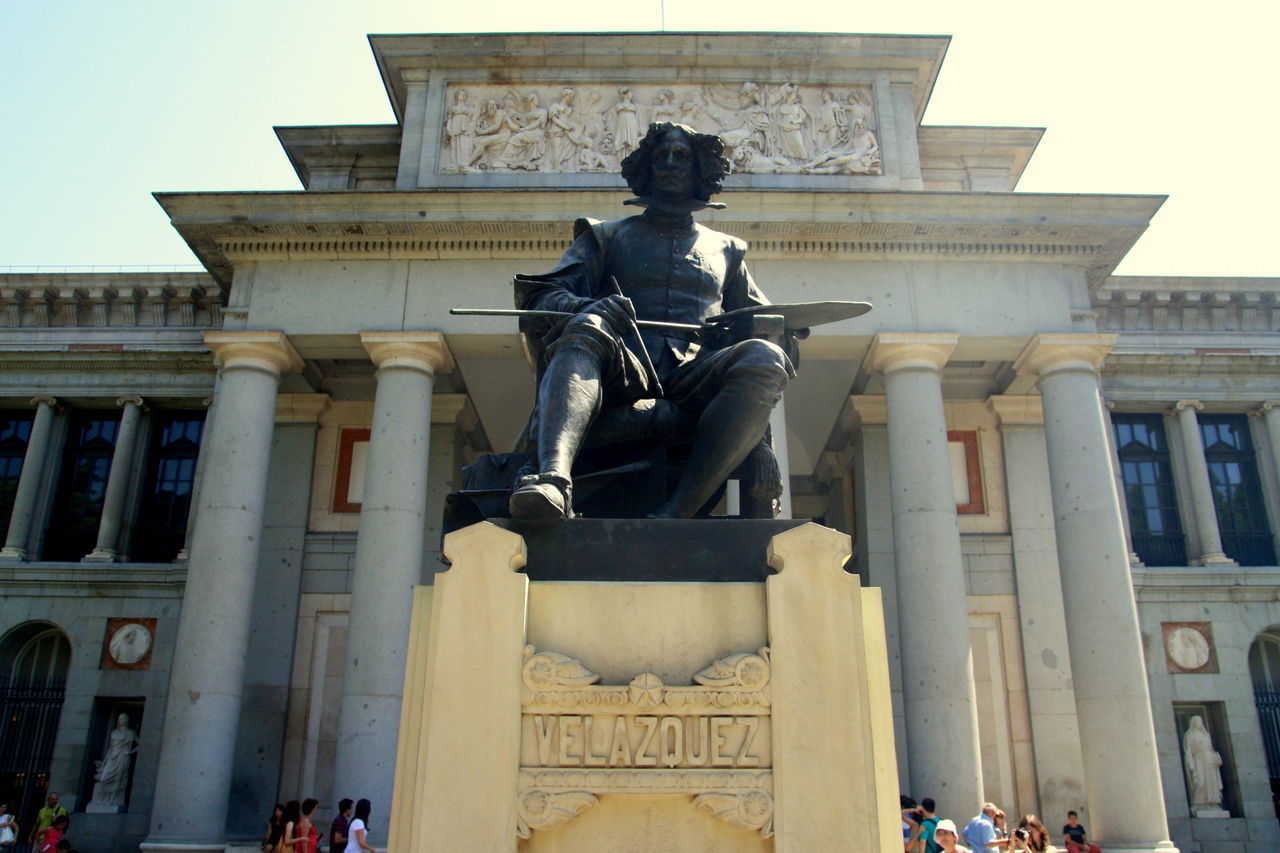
{"x":710,"y":740}
{"x":766,"y":128}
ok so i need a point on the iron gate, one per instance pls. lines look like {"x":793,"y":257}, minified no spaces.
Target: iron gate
{"x":28,"y":728}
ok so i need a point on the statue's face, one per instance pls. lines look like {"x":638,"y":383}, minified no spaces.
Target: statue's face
{"x":674,"y":173}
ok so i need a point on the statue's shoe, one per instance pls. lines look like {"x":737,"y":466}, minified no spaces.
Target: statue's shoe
{"x":541,"y":497}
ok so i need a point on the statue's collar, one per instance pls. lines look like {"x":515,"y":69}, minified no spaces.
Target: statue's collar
{"x":672,"y":211}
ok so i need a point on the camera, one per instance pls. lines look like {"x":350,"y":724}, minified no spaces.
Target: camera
{"x":1020,"y":834}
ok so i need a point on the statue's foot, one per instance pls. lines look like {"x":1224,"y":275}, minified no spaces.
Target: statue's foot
{"x":541,"y":497}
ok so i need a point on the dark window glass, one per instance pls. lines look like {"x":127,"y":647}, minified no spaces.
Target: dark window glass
{"x":1237,"y":495}
{"x":15,"y":432}
{"x":166,"y":496}
{"x":82,"y":485}
{"x":1147,"y":474}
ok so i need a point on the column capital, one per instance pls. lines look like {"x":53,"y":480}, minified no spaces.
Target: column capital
{"x":1188,"y":404}
{"x":44,"y":399}
{"x":137,"y":401}
{"x":301,"y":408}
{"x":1014,"y":410}
{"x":1054,"y":352}
{"x":870,"y":409}
{"x":423,"y":351}
{"x":894,"y":351}
{"x":270,"y":352}
{"x":1270,"y":406}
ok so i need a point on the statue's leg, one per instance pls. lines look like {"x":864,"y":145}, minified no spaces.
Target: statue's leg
{"x":569,"y":398}
{"x":750,"y":380}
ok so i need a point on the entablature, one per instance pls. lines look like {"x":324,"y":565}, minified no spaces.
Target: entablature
{"x":1092,"y":232}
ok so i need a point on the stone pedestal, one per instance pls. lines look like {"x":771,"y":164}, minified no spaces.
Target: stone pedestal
{"x":553,"y":716}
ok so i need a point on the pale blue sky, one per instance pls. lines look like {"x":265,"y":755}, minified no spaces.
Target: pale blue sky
{"x":102,"y":103}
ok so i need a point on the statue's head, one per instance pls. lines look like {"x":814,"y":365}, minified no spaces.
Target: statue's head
{"x":676,"y":162}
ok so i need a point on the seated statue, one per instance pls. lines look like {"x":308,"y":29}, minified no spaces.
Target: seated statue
{"x":716,"y":390}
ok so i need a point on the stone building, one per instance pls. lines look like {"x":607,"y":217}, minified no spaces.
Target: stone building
{"x":218,"y":488}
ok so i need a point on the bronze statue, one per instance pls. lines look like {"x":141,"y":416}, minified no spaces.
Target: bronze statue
{"x":657,"y":266}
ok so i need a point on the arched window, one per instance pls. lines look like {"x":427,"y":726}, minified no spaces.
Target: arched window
{"x":1264,"y":669}
{"x":34,"y":658}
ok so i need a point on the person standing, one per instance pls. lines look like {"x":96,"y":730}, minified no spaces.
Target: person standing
{"x":53,"y":834}
{"x":1076,"y":836}
{"x":981,"y":831}
{"x":945,"y":834}
{"x":338,"y":829}
{"x":8,"y":828}
{"x":275,"y":827}
{"x":45,"y":818}
{"x":358,"y":829}
{"x":305,"y":836}
{"x":289,"y":820}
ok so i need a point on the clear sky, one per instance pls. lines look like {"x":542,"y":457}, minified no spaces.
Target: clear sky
{"x":102,"y":103}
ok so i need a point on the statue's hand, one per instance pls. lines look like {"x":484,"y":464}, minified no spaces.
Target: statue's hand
{"x":616,"y":309}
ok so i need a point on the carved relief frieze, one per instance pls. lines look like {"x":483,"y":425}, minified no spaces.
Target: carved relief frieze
{"x":766,"y":128}
{"x":711,"y":739}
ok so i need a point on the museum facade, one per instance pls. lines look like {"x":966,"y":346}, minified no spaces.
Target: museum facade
{"x":218,"y":489}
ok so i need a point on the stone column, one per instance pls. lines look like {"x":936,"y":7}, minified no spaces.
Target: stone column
{"x":105,"y":550}
{"x":1055,"y":733}
{"x":1206,"y":516}
{"x":1113,"y":708}
{"x":24,"y":502}
{"x":937,"y":665}
{"x":1271,"y":415}
{"x":202,"y":713}
{"x":388,"y":562}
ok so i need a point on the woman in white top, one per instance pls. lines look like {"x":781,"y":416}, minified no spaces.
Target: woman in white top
{"x":358,"y":828}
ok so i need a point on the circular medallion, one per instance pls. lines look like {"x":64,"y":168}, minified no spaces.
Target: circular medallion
{"x":129,"y":644}
{"x":1188,"y":648}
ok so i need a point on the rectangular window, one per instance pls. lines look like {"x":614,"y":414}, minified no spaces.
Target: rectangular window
{"x":82,"y":485}
{"x":161,"y":528}
{"x":1147,"y":475}
{"x":1237,"y":495}
{"x":15,"y":432}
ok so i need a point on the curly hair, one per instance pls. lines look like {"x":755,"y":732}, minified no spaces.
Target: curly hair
{"x":708,"y":157}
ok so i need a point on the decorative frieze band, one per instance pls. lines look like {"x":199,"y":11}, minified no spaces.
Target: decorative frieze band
{"x":766,"y":128}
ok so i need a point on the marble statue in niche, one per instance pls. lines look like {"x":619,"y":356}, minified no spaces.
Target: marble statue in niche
{"x":1203,"y":765}
{"x":111,"y":776}
{"x":767,"y":128}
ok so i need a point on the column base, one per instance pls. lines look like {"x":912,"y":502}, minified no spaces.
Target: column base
{"x":101,"y":555}
{"x":182,"y":847}
{"x":1137,"y":846}
{"x":13,"y":553}
{"x":1215,"y":560}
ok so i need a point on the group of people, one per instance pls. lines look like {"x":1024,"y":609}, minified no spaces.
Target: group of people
{"x":291,"y":829}
{"x":48,"y":833}
{"x":924,"y":832}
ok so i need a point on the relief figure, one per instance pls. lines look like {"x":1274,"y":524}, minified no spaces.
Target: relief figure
{"x":626,"y":124}
{"x":528,"y":140}
{"x":563,"y":134}
{"x":459,"y":130}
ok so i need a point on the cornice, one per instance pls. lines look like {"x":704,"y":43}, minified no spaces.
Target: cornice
{"x":1093,"y":232}
{"x":631,"y":57}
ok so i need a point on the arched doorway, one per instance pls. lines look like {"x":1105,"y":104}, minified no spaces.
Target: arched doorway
{"x":34,"y":658}
{"x":1264,"y":669}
